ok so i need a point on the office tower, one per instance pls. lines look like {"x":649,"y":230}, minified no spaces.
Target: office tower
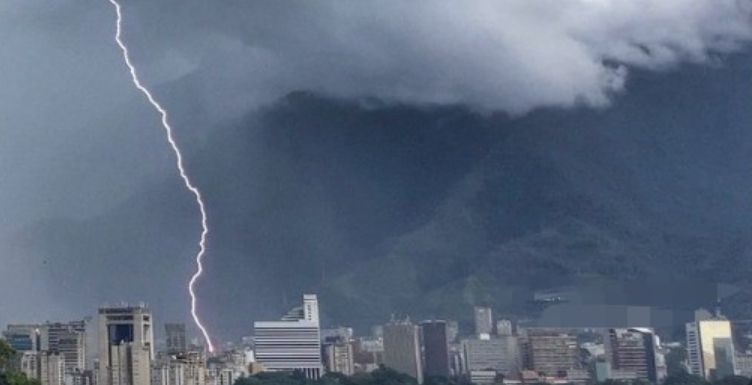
{"x":293,"y":343}
{"x":402,"y":348}
{"x":126,"y":345}
{"x":45,"y":346}
{"x":175,"y":338}
{"x":51,"y":366}
{"x":368,"y":354}
{"x":504,"y":327}
{"x":631,"y":354}
{"x":435,"y":348}
{"x":553,"y":352}
{"x":28,"y":363}
{"x":710,"y":349}
{"x":483,"y":321}
{"x":453,"y":330}
{"x":23,"y":337}
{"x":47,"y":367}
{"x":339,"y":355}
{"x":69,"y":339}
{"x":498,"y":355}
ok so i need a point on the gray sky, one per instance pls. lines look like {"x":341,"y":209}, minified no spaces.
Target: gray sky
{"x":77,"y":141}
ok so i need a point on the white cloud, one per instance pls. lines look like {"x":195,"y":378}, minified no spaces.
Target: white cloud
{"x":510,"y":55}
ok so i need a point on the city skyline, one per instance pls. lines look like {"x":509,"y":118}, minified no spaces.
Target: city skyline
{"x":517,"y":351}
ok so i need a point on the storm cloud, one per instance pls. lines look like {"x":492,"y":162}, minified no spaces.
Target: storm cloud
{"x":513,"y":55}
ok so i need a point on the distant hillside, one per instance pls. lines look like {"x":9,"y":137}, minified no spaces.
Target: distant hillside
{"x":391,"y":209}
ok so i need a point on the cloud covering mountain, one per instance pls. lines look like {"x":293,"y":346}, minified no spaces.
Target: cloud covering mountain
{"x":345,"y":138}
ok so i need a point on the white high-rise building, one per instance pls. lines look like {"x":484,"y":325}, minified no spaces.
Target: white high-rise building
{"x":493,"y":354}
{"x":175,"y":338}
{"x":293,"y":343}
{"x":483,"y":321}
{"x":126,"y":345}
{"x":69,"y":339}
{"x":51,"y":368}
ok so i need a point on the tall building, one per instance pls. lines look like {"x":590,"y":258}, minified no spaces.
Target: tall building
{"x":435,"y":348}
{"x":483,"y":320}
{"x":24,"y":337}
{"x":126,"y":345}
{"x":453,"y":330}
{"x":46,"y":345}
{"x":175,"y":338}
{"x":368,"y":354}
{"x":631,"y":353}
{"x":339,"y":356}
{"x":51,"y":368}
{"x":710,"y":348}
{"x":402,"y":348}
{"x":498,"y":355}
{"x":70,"y":340}
{"x":293,"y":343}
{"x":553,"y":352}
{"x":28,"y":363}
{"x":504,"y":327}
{"x":47,"y":367}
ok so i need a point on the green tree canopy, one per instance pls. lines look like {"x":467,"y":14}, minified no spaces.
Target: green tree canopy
{"x":684,"y":378}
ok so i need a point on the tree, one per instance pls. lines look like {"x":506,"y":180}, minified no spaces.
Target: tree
{"x":17,"y":378}
{"x":732,"y":380}
{"x":684,"y":378}
{"x":6,"y":354}
{"x":675,"y":361}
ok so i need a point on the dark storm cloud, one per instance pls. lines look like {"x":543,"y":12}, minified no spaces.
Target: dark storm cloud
{"x":512,"y":55}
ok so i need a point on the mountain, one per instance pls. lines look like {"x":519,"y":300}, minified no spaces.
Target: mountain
{"x":427,"y":211}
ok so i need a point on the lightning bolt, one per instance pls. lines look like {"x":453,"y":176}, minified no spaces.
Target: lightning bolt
{"x":179,"y":161}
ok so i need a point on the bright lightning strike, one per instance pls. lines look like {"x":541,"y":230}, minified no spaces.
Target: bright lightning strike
{"x":179,"y":160}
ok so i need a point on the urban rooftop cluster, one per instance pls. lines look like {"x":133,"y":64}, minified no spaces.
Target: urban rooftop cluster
{"x":119,"y":349}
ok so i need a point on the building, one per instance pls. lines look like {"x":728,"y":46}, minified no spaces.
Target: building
{"x":631,"y":354}
{"x":51,"y":368}
{"x":710,"y":348}
{"x":339,"y":356}
{"x":70,"y":340}
{"x":47,"y":367}
{"x":550,"y":352}
{"x":23,"y":337}
{"x":175,"y":338}
{"x":483,"y":321}
{"x":44,"y":346}
{"x":179,"y":369}
{"x":453,"y":330}
{"x":28,"y":363}
{"x":293,"y":343}
{"x":486,"y":355}
{"x":126,"y":345}
{"x":340,"y":332}
{"x":402,"y":348}
{"x":435,"y":348}
{"x":368,"y":354}
{"x":228,"y":367}
{"x":504,"y":327}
